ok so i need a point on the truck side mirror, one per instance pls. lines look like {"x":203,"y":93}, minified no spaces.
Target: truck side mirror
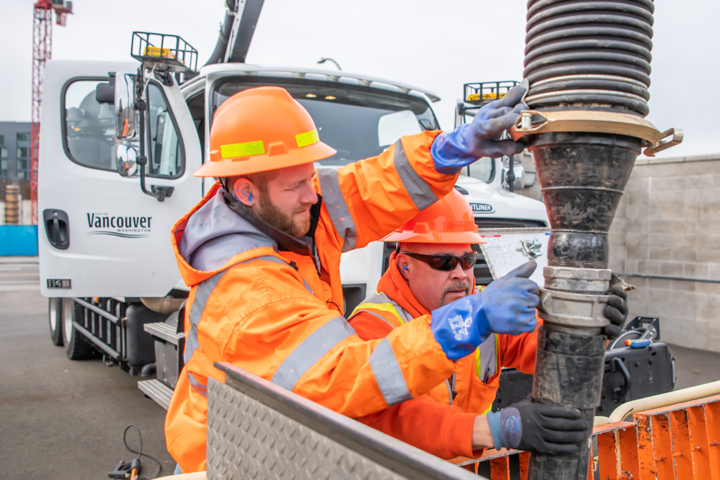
{"x":126,"y":158}
{"x":126,"y":117}
{"x":105,"y":93}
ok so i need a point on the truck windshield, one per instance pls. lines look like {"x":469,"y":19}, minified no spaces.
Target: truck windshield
{"x":358,"y":122}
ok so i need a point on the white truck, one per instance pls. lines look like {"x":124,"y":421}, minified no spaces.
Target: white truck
{"x":106,"y":264}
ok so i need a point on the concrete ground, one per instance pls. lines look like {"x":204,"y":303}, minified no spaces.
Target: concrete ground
{"x":18,"y":273}
{"x":64,"y":419}
{"x":695,"y":367}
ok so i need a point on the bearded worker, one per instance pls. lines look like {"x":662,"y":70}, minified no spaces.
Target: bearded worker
{"x":432,"y":271}
{"x":261,"y":253}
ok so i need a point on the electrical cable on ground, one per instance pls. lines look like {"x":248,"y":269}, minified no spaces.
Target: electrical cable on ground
{"x":132,"y":470}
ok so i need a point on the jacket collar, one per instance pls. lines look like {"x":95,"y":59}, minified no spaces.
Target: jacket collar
{"x":304,"y":245}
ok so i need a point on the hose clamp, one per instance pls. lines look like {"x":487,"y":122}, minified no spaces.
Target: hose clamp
{"x":590,"y":121}
{"x":573,"y":309}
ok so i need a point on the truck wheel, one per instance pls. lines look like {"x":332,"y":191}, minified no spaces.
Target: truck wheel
{"x":55,"y":319}
{"x":76,"y":347}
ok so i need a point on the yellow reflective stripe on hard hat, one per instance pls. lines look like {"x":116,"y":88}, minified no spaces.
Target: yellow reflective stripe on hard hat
{"x":246,"y":149}
{"x":307,"y":138}
{"x":384,"y":307}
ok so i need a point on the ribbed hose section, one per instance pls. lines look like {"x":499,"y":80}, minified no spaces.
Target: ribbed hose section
{"x":589,"y":54}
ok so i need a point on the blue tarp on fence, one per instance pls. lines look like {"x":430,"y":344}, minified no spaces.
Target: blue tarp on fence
{"x":18,"y":240}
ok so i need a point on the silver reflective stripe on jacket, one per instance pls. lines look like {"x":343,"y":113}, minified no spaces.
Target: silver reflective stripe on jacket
{"x":450,"y":390}
{"x":312,"y":349}
{"x":418,"y":189}
{"x":202,"y":294}
{"x":388,"y":374}
{"x":374,"y":314}
{"x":337,"y":207}
{"x":197,"y":385}
{"x":380,"y":299}
{"x":488,"y":358}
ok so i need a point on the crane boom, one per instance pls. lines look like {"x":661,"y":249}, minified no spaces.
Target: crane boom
{"x":42,"y":52}
{"x":237,"y":31}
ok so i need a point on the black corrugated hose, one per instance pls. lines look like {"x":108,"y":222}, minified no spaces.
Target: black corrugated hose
{"x":589,"y":54}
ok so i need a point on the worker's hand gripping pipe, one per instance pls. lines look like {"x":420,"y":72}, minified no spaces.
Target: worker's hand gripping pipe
{"x":587,"y":67}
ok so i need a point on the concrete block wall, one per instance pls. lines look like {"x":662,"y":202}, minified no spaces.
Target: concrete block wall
{"x":665,"y":239}
{"x":667,"y":229}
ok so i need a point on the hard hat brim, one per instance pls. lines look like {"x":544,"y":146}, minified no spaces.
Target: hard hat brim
{"x":233,"y":167}
{"x":435,"y":237}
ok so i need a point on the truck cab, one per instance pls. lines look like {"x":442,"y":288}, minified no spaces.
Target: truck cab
{"x":106,"y":263}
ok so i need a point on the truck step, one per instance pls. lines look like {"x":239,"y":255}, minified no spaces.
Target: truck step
{"x":158,"y":391}
{"x":164,"y":332}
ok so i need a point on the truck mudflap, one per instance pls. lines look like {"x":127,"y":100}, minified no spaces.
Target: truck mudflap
{"x":677,"y":441}
{"x":256,"y":429}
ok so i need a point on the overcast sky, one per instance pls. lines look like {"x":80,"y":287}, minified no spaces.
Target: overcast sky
{"x":434,"y":45}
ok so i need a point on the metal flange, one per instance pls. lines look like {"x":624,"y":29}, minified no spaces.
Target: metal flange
{"x":591,"y":121}
{"x":573,"y":309}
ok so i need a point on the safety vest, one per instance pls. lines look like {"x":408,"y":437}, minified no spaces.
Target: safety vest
{"x":486,"y":358}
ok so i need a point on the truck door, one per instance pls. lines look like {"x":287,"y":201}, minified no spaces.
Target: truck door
{"x":99,"y":234}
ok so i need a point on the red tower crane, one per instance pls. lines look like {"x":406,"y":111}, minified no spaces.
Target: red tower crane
{"x":42,"y":52}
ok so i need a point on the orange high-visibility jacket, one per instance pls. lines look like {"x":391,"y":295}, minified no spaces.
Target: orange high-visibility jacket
{"x":277,"y":311}
{"x":437,"y":422}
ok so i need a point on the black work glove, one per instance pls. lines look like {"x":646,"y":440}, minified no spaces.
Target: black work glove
{"x":538,"y":428}
{"x":616,"y":311}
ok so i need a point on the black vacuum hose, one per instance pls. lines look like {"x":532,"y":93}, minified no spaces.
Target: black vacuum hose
{"x":589,"y":55}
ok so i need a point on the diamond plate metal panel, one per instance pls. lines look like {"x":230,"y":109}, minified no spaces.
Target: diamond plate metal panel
{"x":248,"y":440}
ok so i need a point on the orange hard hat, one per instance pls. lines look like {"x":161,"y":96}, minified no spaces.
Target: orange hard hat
{"x":261,"y":129}
{"x":449,"y":220}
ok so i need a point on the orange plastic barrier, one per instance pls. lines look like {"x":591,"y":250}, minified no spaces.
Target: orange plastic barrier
{"x":677,"y":442}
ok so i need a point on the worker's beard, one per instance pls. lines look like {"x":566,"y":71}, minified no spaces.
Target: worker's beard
{"x":453,"y":287}
{"x":292,"y":224}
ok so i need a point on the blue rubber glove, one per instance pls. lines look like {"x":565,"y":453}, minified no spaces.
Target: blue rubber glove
{"x":507,"y":305}
{"x":454,"y":150}
{"x":510,"y":301}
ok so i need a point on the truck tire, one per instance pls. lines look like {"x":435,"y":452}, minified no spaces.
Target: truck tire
{"x":55,"y":320}
{"x":76,"y":346}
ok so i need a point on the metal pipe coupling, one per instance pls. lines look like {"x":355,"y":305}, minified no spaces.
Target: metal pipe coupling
{"x":575,"y":297}
{"x":591,"y":121}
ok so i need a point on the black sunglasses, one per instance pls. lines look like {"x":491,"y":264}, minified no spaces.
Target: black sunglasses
{"x":445,"y":263}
